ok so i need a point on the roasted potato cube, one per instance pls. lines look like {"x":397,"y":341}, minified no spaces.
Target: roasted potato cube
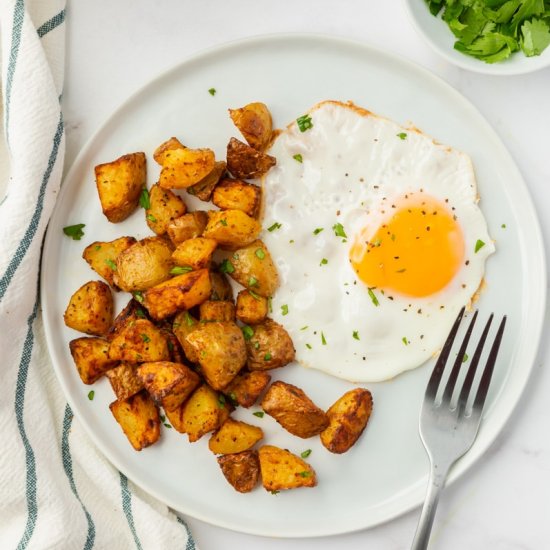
{"x":174,"y":347}
{"x":131,"y":313}
{"x":204,"y":189}
{"x":221,"y":289}
{"x":255,"y":124}
{"x":183,"y":325}
{"x":164,"y":207}
{"x":102,"y":256}
{"x":203,"y":412}
{"x":221,"y":351}
{"x":139,"y":419}
{"x":238,"y":195}
{"x":294,"y":410}
{"x":90,"y":309}
{"x":251,"y":307}
{"x":217,"y":310}
{"x":245,"y":388}
{"x":138,"y":342}
{"x":242,"y":470}
{"x":348,"y":418}
{"x":188,"y":226}
{"x":119,"y":184}
{"x":245,"y":162}
{"x":281,"y":469}
{"x":195,"y":253}
{"x":184,"y":167}
{"x":143,"y":265}
{"x":232,"y":229}
{"x":234,"y":437}
{"x":169,"y":384}
{"x":181,"y":292}
{"x":124,"y":381}
{"x":252,"y":267}
{"x":169,"y":145}
{"x":91,"y":357}
{"x":270,"y":347}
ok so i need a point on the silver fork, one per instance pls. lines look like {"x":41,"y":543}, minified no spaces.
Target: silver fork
{"x":447,"y":429}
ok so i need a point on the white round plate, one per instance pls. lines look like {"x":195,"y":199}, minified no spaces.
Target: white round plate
{"x":384,"y":475}
{"x":438,"y":35}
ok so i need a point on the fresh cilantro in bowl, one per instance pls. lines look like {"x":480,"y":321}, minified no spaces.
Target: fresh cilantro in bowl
{"x":492,"y":30}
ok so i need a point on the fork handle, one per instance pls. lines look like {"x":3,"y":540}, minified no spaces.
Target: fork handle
{"x":435,"y":486}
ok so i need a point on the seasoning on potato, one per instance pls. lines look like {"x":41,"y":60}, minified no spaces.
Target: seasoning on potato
{"x":282,"y":470}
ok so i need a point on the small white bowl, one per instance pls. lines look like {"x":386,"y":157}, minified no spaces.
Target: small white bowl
{"x":440,"y":37}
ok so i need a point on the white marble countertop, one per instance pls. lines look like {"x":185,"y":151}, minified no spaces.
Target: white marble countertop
{"x":114,"y":48}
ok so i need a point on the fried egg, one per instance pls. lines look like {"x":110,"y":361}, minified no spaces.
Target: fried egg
{"x":378,"y":239}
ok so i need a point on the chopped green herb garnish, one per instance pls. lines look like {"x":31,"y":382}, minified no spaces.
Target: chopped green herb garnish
{"x":145,"y":338}
{"x":298,"y":157}
{"x":97,"y":247}
{"x":162,"y":418}
{"x":212,"y":91}
{"x":248,"y":332}
{"x":274,"y":492}
{"x":305,"y":328}
{"x":402,"y":135}
{"x":284,"y":309}
{"x":180,"y":270}
{"x":233,"y":398}
{"x":74,"y":231}
{"x":305,"y":474}
{"x":308,"y":346}
{"x":304,"y":123}
{"x":111,"y":264}
{"x":145,"y":199}
{"x":465,"y":358}
{"x":324,"y":261}
{"x":260,"y":253}
{"x":273,"y":227}
{"x":138,"y":295}
{"x":254,"y":295}
{"x":479,"y":245}
{"x":503,"y":226}
{"x":166,"y":425}
{"x":226,"y":266}
{"x":377,"y":243}
{"x":373,"y":297}
{"x":356,"y":334}
{"x":221,"y":401}
{"x":189,"y":320}
{"x":223,"y":221}
{"x":256,"y":345}
{"x":339,"y":230}
{"x":91,"y":395}
{"x":259,"y":414}
{"x":267,"y":356}
{"x":252,"y":281}
{"x":318,"y":230}
{"x":140,"y":313}
{"x":151,"y":218}
{"x":305,"y":453}
{"x":323,"y":339}
{"x":405,"y":341}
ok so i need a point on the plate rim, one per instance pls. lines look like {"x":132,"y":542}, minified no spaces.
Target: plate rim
{"x":536,"y":241}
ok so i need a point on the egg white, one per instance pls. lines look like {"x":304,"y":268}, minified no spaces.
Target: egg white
{"x":348,"y":168}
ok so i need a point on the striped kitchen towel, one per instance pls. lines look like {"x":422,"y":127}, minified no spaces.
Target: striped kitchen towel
{"x":57,"y":491}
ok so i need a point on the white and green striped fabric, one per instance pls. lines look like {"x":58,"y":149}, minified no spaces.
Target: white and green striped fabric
{"x":56,"y":490}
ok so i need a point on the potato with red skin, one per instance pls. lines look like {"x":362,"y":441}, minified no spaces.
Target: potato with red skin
{"x":203,"y":189}
{"x":242,"y":470}
{"x":90,"y":309}
{"x":245,"y":162}
{"x":269,"y":347}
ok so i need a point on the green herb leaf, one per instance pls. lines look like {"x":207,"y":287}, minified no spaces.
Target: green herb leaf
{"x":356,"y":334}
{"x":151,"y":218}
{"x":180,"y":270}
{"x":189,"y":321}
{"x":305,"y":453}
{"x":465,"y":358}
{"x":308,"y":346}
{"x":212,"y":91}
{"x":145,"y":338}
{"x":318,"y":230}
{"x":254,"y":295}
{"x":259,"y":414}
{"x":138,"y":296}
{"x":274,"y":227}
{"x":339,"y":230}
{"x":91,"y":395}
{"x":166,"y":425}
{"x":479,"y":245}
{"x":97,"y":247}
{"x":274,"y":492}
{"x":267,"y":356}
{"x":140,"y":313}
{"x":324,"y":261}
{"x":298,"y":157}
{"x":74,"y":231}
{"x":223,"y":221}
{"x":402,"y":135}
{"x":323,"y":339}
{"x":305,"y":474}
{"x":284,"y":309}
{"x":252,"y":281}
{"x":145,"y":199}
{"x":221,"y":401}
{"x":373,"y":297}
{"x":305,"y":328}
{"x":227,"y":267}
{"x":405,"y":341}
{"x":248,"y":332}
{"x":304,"y":123}
{"x":111,"y":264}
{"x":260,"y":253}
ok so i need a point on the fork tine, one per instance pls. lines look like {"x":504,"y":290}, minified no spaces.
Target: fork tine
{"x":451,"y":382}
{"x":435,"y":378}
{"x":483,"y":388}
{"x":468,"y":381}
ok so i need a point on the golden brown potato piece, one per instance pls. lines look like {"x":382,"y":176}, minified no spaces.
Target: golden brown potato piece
{"x":90,"y":309}
{"x":169,"y":384}
{"x":221,"y":289}
{"x":131,"y":313}
{"x":255,"y":124}
{"x":181,"y":292}
{"x":138,"y":342}
{"x":252,"y":267}
{"x":221,"y":351}
{"x":119,"y":184}
{"x":203,"y":412}
{"x":234,"y":437}
{"x":188,"y":226}
{"x":348,"y":418}
{"x":232,"y":229}
{"x":195,"y":253}
{"x":242,"y":470}
{"x":251,"y":307}
{"x":204,"y":189}
{"x":145,"y":264}
{"x":124,"y":381}
{"x":245,"y":162}
{"x":217,"y":310}
{"x":139,"y":419}
{"x":238,"y":195}
{"x":270,"y":347}
{"x":281,"y":469}
{"x":183,"y":325}
{"x":102,"y":256}
{"x":294,"y":410}
{"x":91,"y":357}
{"x":165,"y":207}
{"x":164,"y":148}
{"x":174,"y":346}
{"x":245,"y":388}
{"x":184,"y":167}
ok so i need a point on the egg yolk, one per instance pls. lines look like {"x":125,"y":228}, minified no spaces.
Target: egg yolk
{"x":417,"y":252}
